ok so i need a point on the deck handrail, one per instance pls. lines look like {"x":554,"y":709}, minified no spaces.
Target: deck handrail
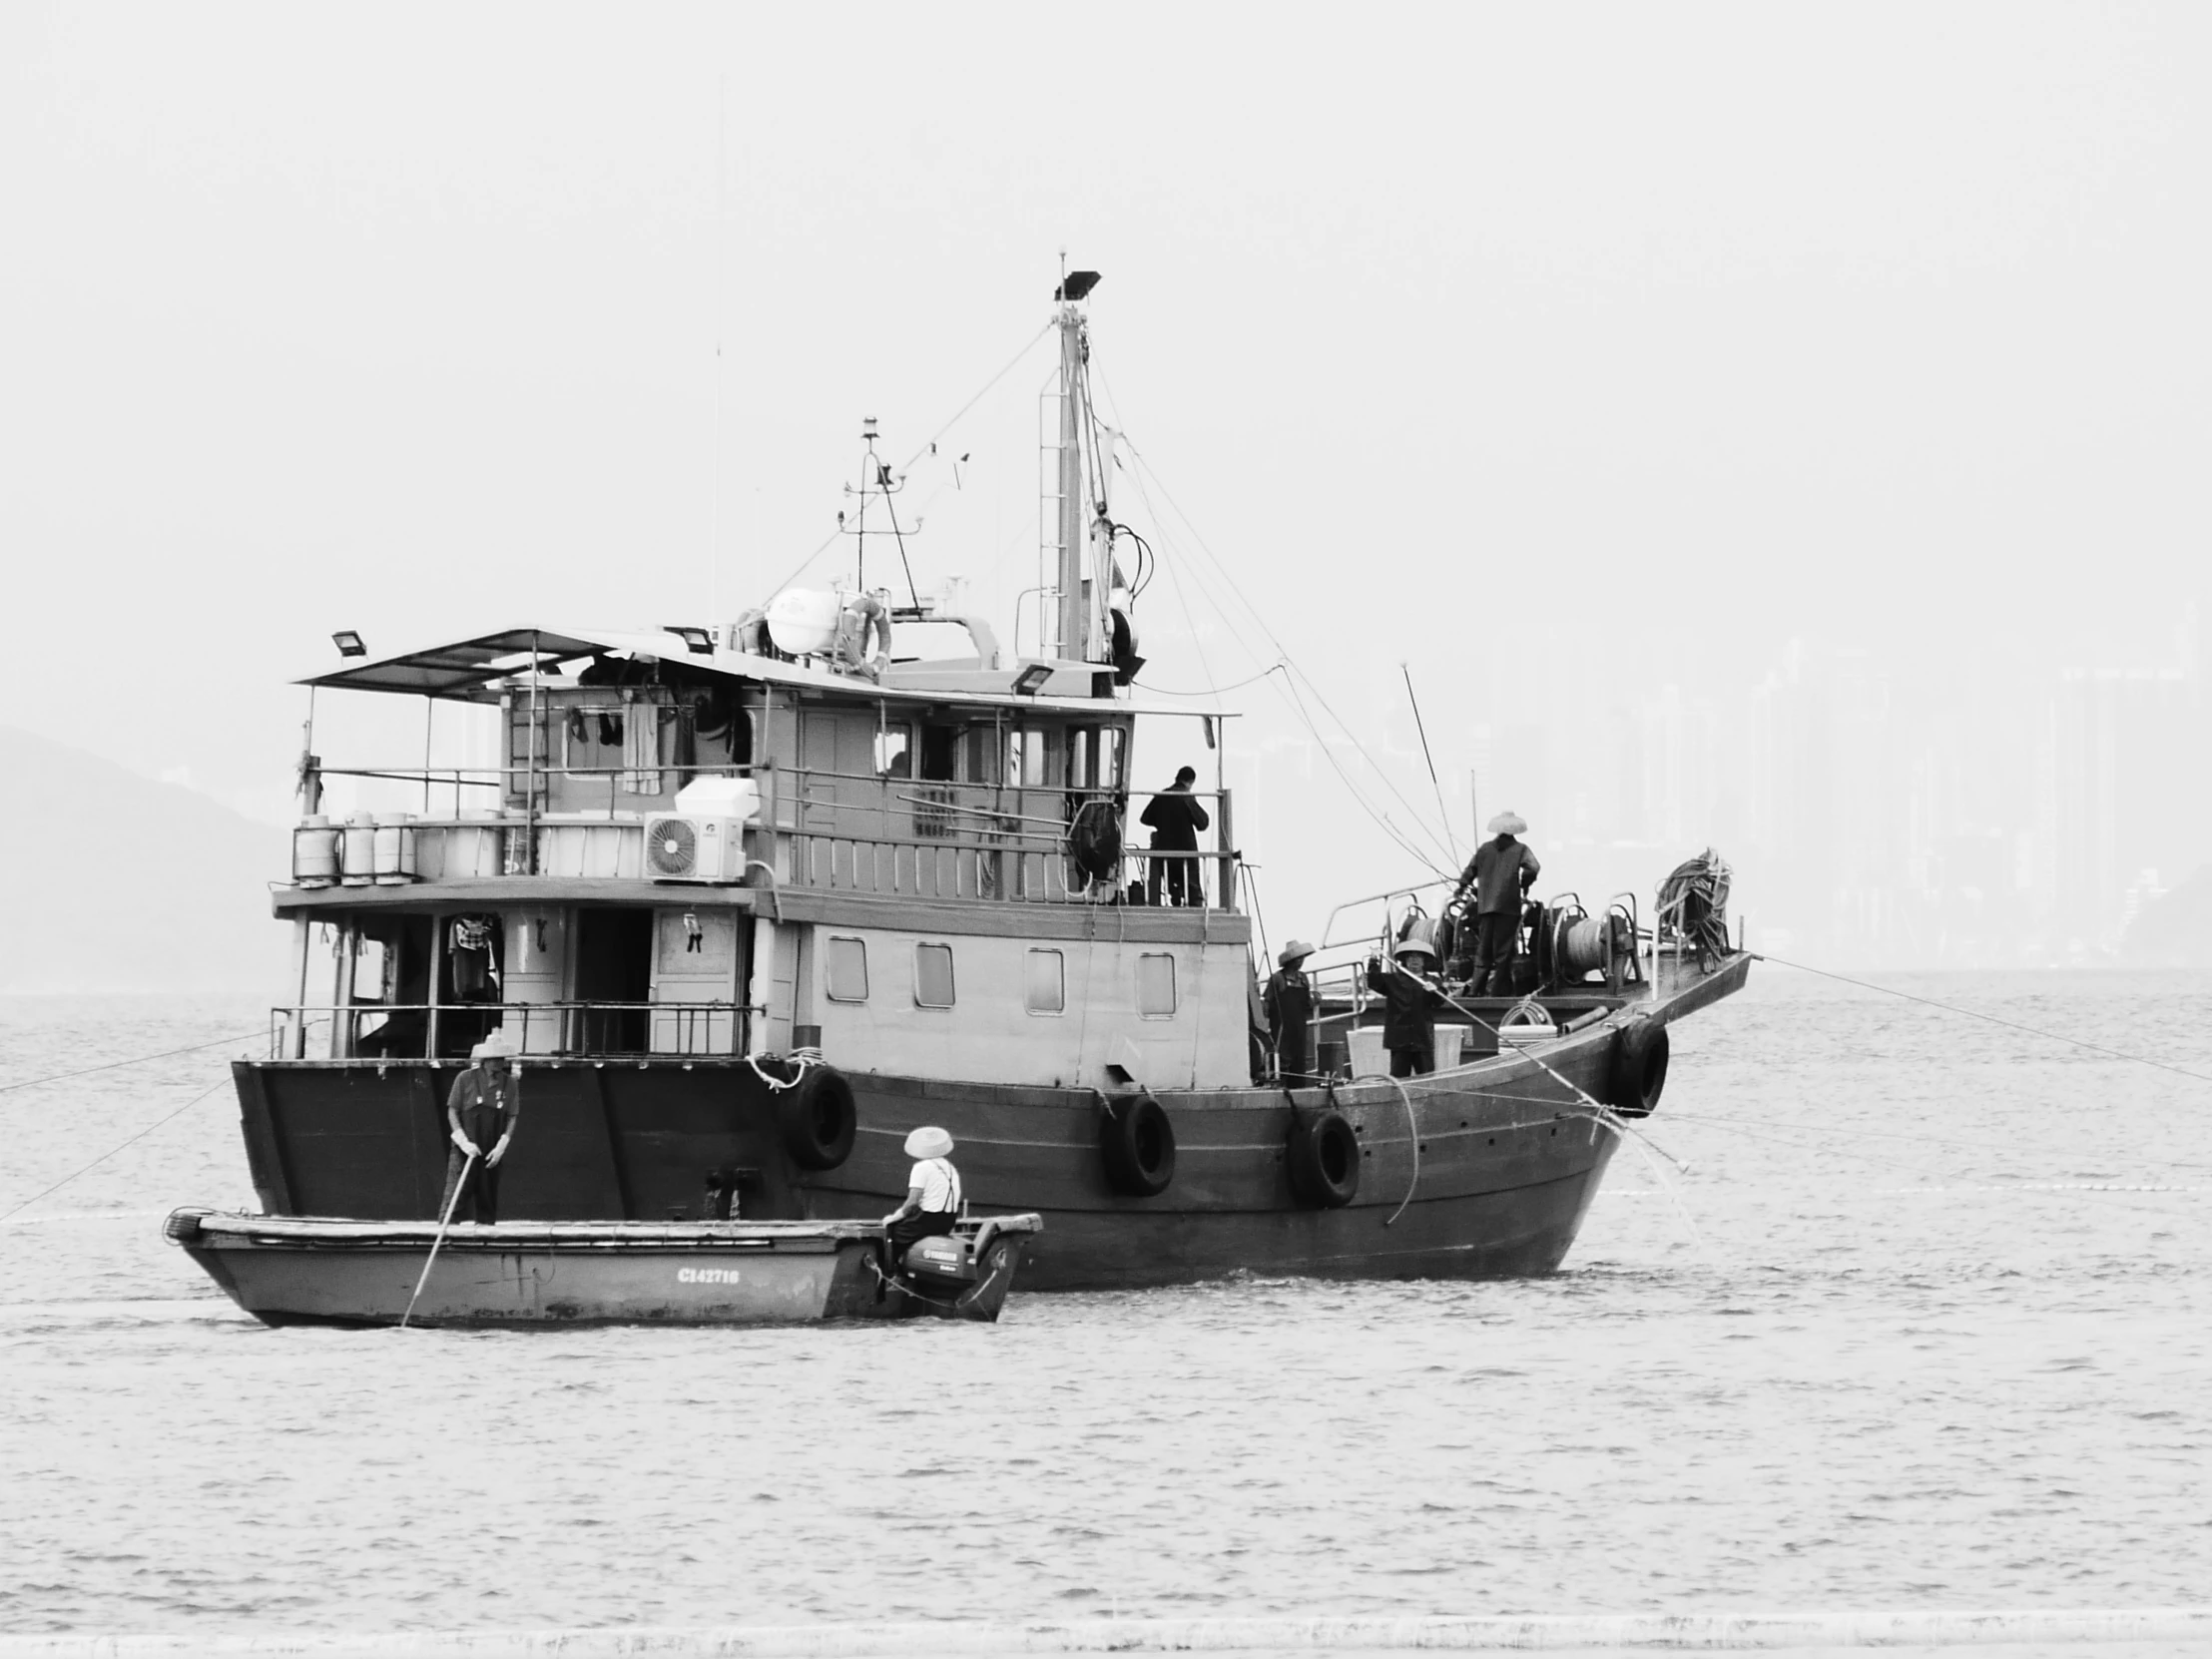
{"x":694,"y":1021}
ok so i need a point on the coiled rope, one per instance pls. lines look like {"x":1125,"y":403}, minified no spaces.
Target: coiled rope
{"x":803,"y":1058}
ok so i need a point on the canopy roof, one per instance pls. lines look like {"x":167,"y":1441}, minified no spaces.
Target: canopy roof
{"x":466,"y":668}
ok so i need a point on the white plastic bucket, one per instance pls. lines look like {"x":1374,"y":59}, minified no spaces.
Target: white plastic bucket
{"x":358,"y":850}
{"x":473,"y":848}
{"x":1369,"y":1057}
{"x":394,"y":849}
{"x":1448,"y":1039}
{"x":315,"y":853}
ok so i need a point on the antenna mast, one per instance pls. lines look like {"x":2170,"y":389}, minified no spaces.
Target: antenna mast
{"x":1067,"y":617}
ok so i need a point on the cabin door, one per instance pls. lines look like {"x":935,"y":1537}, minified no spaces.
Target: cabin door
{"x":614,"y":978}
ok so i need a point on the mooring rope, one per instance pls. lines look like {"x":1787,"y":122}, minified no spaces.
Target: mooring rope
{"x":143,"y":1059}
{"x":113,"y":1150}
{"x":1974,"y":1014}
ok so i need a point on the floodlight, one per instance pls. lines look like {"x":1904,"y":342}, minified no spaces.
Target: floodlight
{"x":698,"y":641}
{"x":1078,"y":284}
{"x":1030,"y":679}
{"x":348,"y":643}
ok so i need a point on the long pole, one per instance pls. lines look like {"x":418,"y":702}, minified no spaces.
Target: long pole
{"x":451,"y":1205}
{"x":1434,"y":782}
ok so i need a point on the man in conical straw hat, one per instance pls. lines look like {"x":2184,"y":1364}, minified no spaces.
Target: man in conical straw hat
{"x":933,"y":1202}
{"x":1287,"y":1004}
{"x":481,"y":1116}
{"x":1410,"y":999}
{"x":1500,"y":875}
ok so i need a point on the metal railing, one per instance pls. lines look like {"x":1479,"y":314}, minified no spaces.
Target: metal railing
{"x":937,"y":838}
{"x":850,"y":831}
{"x":448,"y":1030}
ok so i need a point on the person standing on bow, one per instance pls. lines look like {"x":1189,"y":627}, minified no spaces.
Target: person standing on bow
{"x":1499,"y":875}
{"x":1287,"y":1004}
{"x":1410,"y":1001}
{"x":933,"y":1202}
{"x":1176,"y":817}
{"x":481,"y":1117}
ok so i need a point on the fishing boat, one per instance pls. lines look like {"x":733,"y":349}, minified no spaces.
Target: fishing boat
{"x":752,"y":898}
{"x":322,"y":1272}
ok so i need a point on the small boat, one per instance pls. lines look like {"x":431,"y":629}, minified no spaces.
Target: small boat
{"x":320,"y":1271}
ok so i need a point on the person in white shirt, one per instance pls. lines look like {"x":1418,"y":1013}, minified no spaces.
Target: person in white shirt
{"x":933,"y":1202}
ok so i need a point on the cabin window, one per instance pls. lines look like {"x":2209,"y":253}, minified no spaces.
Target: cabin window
{"x":847,"y":969}
{"x":1110,"y":744}
{"x":1027,"y":758}
{"x":895,"y":756}
{"x":1044,"y":983}
{"x":1156,"y":985}
{"x":980,"y":754}
{"x":936,"y":763}
{"x":934,"y":975}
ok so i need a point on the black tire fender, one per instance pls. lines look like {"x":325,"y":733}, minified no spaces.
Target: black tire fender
{"x":1639,"y":1071}
{"x":817,"y":1118}
{"x":1137,"y":1143}
{"x":1324,"y":1158}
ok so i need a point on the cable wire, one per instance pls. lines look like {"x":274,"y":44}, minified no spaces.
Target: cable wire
{"x":113,"y":1150}
{"x":1970,"y":1014}
{"x":114,"y":1065}
{"x":830,"y":541}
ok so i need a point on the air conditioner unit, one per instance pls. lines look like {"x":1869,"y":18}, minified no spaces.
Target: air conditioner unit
{"x":681,"y":846}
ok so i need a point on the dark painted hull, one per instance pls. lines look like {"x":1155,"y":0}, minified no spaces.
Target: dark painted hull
{"x":1482,"y":1172}
{"x":327,"y":1271}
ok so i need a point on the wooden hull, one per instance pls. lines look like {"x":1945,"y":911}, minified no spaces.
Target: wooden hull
{"x":328,"y":1272}
{"x":1482,"y":1172}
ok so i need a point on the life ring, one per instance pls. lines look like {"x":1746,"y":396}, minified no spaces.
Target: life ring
{"x":1324,"y":1159}
{"x":1137,"y":1143}
{"x":1639,"y":1071}
{"x":866,"y":615}
{"x":817,"y":1118}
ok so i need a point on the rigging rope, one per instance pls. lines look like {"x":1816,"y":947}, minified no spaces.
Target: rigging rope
{"x":1970,"y":1014}
{"x":1213,"y":691}
{"x":1140,"y":472}
{"x":830,"y":541}
{"x":113,"y":1150}
{"x":143,"y":1059}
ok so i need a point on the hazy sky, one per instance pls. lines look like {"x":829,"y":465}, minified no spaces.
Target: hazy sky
{"x":1885,"y":325}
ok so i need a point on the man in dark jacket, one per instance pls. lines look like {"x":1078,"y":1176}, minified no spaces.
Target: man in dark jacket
{"x":1176,"y":817}
{"x":1288,"y":1003}
{"x":1410,"y":1004}
{"x":1500,"y":875}
{"x":481,"y":1116}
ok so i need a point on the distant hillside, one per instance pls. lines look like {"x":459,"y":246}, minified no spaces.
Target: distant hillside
{"x":2175,"y":929}
{"x":110,"y":882}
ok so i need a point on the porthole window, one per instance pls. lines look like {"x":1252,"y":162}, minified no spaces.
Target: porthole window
{"x":1156,"y":985}
{"x":847,"y":970}
{"x":934,"y":975}
{"x":1044,"y":986}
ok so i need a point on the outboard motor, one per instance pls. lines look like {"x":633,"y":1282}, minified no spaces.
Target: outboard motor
{"x":943,"y":1265}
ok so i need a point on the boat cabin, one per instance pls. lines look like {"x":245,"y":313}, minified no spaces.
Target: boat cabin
{"x":692,"y":843}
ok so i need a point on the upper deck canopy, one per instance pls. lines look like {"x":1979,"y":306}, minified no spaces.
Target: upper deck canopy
{"x":471,"y":670}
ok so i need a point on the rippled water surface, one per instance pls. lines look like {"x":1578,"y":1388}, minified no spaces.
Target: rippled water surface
{"x":1925,"y":1324}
